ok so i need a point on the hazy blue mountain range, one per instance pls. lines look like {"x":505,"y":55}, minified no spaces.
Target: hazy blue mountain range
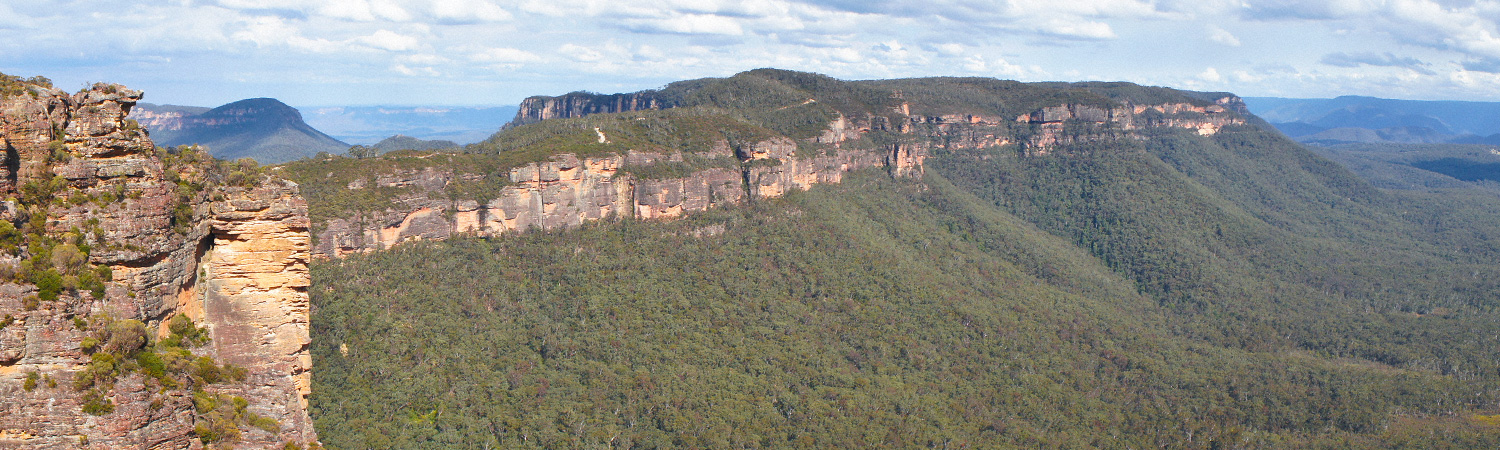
{"x":264,"y":129}
{"x":369,"y":124}
{"x":1357,"y":119}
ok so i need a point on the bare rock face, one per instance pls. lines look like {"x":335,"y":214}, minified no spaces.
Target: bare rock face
{"x":1053,"y":126}
{"x":579,"y":104}
{"x":174,"y":242}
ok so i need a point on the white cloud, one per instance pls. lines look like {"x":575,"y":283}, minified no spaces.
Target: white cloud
{"x":275,"y":32}
{"x":580,"y":53}
{"x":1470,"y":29}
{"x":948,"y":49}
{"x":998,"y":67}
{"x":423,"y":59}
{"x":415,"y":71}
{"x":1436,"y":48}
{"x":650,"y":53}
{"x":1308,"y":10}
{"x":1222,"y":36}
{"x":389,"y":40}
{"x":688,"y":24}
{"x":364,"y":10}
{"x":468,"y":11}
{"x":504,"y":55}
{"x":9,"y":18}
{"x":1210,"y":75}
{"x":1074,"y":28}
{"x":847,"y":55}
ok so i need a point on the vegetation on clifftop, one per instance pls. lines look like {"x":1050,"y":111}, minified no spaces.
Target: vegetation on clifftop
{"x":11,"y":85}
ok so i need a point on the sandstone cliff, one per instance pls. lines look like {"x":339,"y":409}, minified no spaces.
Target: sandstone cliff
{"x":579,"y":104}
{"x":156,"y":239}
{"x":569,"y":190}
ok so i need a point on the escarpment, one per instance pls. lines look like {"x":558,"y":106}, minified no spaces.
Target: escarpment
{"x":569,"y":190}
{"x":751,"y":153}
{"x":150,"y":299}
{"x":579,"y":104}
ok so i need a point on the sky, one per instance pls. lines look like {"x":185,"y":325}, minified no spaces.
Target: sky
{"x":497,"y":52}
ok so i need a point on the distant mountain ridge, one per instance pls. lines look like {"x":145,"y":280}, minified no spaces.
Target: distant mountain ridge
{"x":367,"y":125}
{"x":1358,"y":119}
{"x":264,"y":129}
{"x":403,"y":142}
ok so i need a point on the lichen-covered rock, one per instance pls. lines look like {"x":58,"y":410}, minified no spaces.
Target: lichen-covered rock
{"x":231,"y":258}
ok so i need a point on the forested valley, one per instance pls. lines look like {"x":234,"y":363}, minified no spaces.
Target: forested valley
{"x":1171,"y":291}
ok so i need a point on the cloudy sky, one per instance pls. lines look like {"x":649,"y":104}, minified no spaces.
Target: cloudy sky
{"x":496,"y":52}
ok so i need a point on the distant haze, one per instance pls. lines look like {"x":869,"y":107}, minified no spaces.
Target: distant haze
{"x":1351,"y":119}
{"x":365,"y":125}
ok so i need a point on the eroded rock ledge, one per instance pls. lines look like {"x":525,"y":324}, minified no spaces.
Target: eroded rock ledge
{"x":232,"y":258}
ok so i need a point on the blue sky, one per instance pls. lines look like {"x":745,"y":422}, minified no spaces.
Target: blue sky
{"x":493,"y":52}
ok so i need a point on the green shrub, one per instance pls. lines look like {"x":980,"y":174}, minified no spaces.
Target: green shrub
{"x":267,"y":424}
{"x":94,"y":403}
{"x":48,"y":284}
{"x":11,"y":85}
{"x":125,"y":337}
{"x":183,"y":333}
{"x":151,"y":363}
{"x":89,"y":344}
{"x":30,"y":383}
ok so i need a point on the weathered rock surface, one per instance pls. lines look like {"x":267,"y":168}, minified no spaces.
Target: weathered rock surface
{"x":235,"y":263}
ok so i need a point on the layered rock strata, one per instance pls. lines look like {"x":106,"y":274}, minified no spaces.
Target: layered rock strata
{"x":234,"y":259}
{"x":568,"y":191}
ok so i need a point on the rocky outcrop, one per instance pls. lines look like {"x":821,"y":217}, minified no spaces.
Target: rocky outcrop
{"x":232,"y":258}
{"x":579,"y":104}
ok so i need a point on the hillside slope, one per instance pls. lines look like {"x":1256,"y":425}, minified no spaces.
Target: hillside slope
{"x":1073,"y":266}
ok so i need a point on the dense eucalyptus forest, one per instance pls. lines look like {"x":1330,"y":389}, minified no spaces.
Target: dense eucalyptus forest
{"x":1168,"y":291}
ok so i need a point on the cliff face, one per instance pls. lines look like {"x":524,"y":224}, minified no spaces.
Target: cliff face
{"x":172,"y":242}
{"x":579,"y":104}
{"x":1044,"y":129}
{"x":568,"y":190}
